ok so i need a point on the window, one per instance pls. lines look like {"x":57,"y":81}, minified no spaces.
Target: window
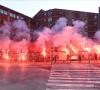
{"x":86,"y":33}
{"x":22,"y":18}
{"x":17,"y":17}
{"x":80,"y":14}
{"x":13,"y":15}
{"x":5,"y":12}
{"x":44,"y":19}
{"x":1,"y":11}
{"x":60,"y":12}
{"x":67,"y":19}
{"x":95,"y":23}
{"x":80,"y":32}
{"x":73,"y":13}
{"x":73,"y":20}
{"x":44,"y":14}
{"x":49,"y":25}
{"x":86,"y":26}
{"x":49,"y":19}
{"x":86,"y":21}
{"x":95,"y":16}
{"x":66,"y":13}
{"x":86,"y":14}
{"x":49,"y":13}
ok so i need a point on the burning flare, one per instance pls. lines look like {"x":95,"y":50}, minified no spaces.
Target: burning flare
{"x":73,"y":48}
{"x":87,"y":49}
{"x":7,"y":56}
{"x":97,"y":48}
{"x":23,"y":57}
{"x":66,"y":50}
{"x":44,"y":53}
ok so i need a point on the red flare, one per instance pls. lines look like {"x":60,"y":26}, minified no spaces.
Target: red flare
{"x":73,"y":48}
{"x":44,"y":53}
{"x":87,"y":49}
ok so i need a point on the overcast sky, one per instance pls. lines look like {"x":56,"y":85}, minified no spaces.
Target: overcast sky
{"x":31,"y":7}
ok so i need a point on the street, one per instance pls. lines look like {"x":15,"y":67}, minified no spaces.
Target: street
{"x":24,"y":77}
{"x":44,"y":76}
{"x":74,"y":76}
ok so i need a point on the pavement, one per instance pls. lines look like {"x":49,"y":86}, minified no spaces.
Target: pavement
{"x":24,"y":76}
{"x":44,"y":76}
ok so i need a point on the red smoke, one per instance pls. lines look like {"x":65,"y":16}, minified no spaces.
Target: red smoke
{"x":61,"y":37}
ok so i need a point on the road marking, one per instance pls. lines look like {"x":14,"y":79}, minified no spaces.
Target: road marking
{"x":69,"y":81}
{"x":72,"y":77}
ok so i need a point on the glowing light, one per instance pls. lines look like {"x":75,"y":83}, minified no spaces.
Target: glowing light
{"x":66,"y":50}
{"x":44,"y":53}
{"x":97,"y":48}
{"x":73,"y":48}
{"x":87,"y":49}
{"x":6,"y":57}
{"x":23,"y":57}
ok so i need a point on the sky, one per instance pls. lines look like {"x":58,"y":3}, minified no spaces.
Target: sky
{"x":31,"y":7}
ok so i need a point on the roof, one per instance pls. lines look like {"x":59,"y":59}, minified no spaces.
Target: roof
{"x":65,"y":10}
{"x":14,"y":11}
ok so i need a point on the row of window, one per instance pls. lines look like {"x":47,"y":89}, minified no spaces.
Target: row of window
{"x":73,"y":13}
{"x":95,"y":28}
{"x":14,"y":15}
{"x":50,"y":20}
{"x":50,"y":25}
{"x":2,"y":21}
{"x":11,"y":14}
{"x":3,"y":12}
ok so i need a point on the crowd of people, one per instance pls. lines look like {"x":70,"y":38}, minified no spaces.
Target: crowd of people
{"x":38,"y":57}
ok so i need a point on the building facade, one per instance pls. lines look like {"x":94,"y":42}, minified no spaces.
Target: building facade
{"x":49,"y":17}
{"x":9,"y":15}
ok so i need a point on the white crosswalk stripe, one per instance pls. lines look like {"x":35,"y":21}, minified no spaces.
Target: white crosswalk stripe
{"x":73,"y":77}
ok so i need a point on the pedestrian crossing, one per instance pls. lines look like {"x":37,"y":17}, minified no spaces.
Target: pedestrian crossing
{"x":73,"y":77}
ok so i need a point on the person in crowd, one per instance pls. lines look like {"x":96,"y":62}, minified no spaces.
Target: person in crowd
{"x":68,"y":57}
{"x":95,"y":57}
{"x":79,"y":57}
{"x":55,"y":57}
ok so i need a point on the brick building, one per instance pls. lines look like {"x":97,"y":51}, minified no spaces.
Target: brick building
{"x":49,"y":17}
{"x":10,"y":15}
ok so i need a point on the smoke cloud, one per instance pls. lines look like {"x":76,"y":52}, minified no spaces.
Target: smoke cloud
{"x":63,"y":36}
{"x":17,"y":36}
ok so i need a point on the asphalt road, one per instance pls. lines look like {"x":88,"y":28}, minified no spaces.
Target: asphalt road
{"x":24,"y":77}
